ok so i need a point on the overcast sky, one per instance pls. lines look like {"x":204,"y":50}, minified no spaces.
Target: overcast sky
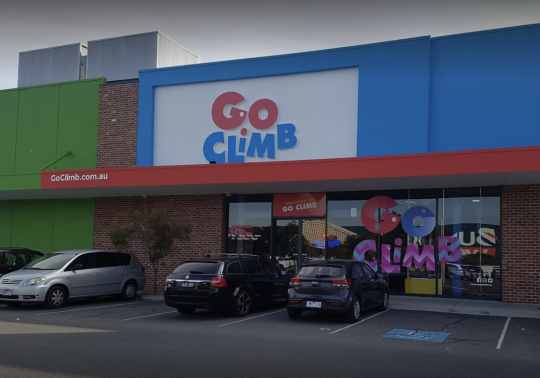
{"x":234,"y":29}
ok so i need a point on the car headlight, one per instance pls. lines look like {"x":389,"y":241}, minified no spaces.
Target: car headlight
{"x":35,"y":281}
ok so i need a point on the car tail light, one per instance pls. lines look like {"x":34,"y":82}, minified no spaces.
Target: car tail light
{"x":167,"y":281}
{"x":219,"y":282}
{"x":341,"y":283}
{"x":295,"y":281}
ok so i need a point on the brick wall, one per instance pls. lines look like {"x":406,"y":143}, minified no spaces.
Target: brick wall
{"x":205,"y":214}
{"x":117,"y":127}
{"x":520,"y":220}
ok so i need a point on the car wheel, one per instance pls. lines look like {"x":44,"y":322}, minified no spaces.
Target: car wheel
{"x":56,"y":297}
{"x":242,"y":303}
{"x":129,"y":292}
{"x":294,"y":314}
{"x":14,"y":304}
{"x":384,"y":302}
{"x":353,"y":314}
{"x":186,"y":310}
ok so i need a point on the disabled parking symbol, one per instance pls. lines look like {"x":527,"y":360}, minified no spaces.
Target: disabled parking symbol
{"x":410,"y":334}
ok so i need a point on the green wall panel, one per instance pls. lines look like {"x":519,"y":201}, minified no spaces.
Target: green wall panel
{"x":8,"y":130}
{"x":40,"y":124}
{"x":47,"y":225}
{"x":37,"y":128}
{"x":73,"y":224}
{"x":20,"y":182}
{"x":77,"y":125}
{"x":5,"y":223}
{"x":32,"y":224}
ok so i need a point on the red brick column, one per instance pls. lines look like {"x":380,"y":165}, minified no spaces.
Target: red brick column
{"x":520,"y":220}
{"x":117,"y":125}
{"x":205,"y":214}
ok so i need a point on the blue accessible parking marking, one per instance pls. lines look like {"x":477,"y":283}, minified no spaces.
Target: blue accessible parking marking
{"x":411,"y":334}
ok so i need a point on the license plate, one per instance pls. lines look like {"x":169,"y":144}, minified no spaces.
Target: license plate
{"x":313,"y":304}
{"x":187,"y":284}
{"x":7,"y":292}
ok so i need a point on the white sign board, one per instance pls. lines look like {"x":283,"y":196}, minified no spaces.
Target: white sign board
{"x":280,"y":118}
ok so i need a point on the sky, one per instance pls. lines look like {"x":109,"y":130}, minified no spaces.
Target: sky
{"x":219,"y":30}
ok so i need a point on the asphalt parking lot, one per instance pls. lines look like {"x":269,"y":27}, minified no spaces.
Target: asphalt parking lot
{"x":136,"y":338}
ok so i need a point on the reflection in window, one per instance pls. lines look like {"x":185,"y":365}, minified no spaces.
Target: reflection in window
{"x":474,"y":223}
{"x":345,"y":229}
{"x":249,"y":228}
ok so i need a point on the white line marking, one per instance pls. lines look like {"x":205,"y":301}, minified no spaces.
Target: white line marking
{"x":253,"y":317}
{"x":503,"y":333}
{"x":363,"y":320}
{"x":81,"y":309}
{"x":146,"y":316}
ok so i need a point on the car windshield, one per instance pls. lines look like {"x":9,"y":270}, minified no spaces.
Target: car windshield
{"x":199,"y":267}
{"x":52,"y":261}
{"x":317,"y":271}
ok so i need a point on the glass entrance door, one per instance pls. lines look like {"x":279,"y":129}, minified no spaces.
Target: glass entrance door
{"x":299,"y":240}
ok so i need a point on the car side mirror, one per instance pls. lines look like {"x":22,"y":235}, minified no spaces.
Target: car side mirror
{"x":380,"y":275}
{"x":77,"y":267}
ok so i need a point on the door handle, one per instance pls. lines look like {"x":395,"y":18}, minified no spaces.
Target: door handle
{"x":94,"y":273}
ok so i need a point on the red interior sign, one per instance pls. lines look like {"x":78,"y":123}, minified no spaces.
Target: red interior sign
{"x":299,"y":205}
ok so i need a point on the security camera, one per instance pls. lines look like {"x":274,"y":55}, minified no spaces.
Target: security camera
{"x":228,"y":194}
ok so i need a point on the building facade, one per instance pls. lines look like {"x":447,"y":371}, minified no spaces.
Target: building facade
{"x":420,"y":157}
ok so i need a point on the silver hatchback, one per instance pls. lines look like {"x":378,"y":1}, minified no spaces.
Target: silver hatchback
{"x":58,"y":276}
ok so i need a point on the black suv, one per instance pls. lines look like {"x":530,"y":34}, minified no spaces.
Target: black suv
{"x":14,"y":258}
{"x":225,"y":281}
{"x":335,"y":285}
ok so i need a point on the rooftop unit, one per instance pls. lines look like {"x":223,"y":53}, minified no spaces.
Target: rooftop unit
{"x":121,"y":58}
{"x":52,"y":65}
{"x":118,"y":58}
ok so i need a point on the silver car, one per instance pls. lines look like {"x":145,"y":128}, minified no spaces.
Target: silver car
{"x":58,"y":276}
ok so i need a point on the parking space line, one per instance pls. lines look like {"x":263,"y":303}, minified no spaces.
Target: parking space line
{"x":503,"y":333}
{"x":363,"y":320}
{"x":253,"y":317}
{"x":82,"y":309}
{"x":147,"y":316}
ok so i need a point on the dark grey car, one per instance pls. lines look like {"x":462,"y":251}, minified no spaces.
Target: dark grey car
{"x":14,"y":258}
{"x":340,"y":286}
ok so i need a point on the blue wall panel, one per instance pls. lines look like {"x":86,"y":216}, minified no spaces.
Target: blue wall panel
{"x":393,"y":78}
{"x":485,"y":90}
{"x":470,"y":91}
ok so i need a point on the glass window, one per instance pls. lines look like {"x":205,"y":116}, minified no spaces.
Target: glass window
{"x":470,"y":222}
{"x":124,"y":258}
{"x":249,"y":226}
{"x":106,"y":259}
{"x":368,"y":272}
{"x":251,"y":266}
{"x":199,"y":267}
{"x":234,"y":268}
{"x":87,"y":261}
{"x":33,"y":255}
{"x":357,"y":271}
{"x":268,"y":267}
{"x":51,"y":261}
{"x":15,"y":258}
{"x":345,"y":228}
{"x":315,"y":271}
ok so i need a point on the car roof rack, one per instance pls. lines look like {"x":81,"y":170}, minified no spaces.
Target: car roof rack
{"x":239,"y":255}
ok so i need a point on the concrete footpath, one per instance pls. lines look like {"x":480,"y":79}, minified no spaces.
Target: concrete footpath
{"x":446,"y":305}
{"x":465,"y":306}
